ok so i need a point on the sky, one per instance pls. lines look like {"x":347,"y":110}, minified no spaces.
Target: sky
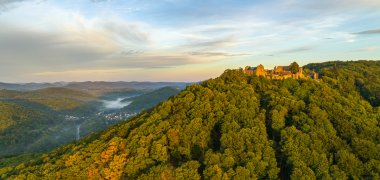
{"x":177,"y":40}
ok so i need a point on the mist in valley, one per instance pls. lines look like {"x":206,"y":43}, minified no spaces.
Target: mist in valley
{"x":115,"y":104}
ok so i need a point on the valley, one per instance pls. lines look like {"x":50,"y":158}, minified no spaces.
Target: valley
{"x":39,"y":120}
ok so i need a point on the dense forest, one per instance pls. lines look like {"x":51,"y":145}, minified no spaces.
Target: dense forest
{"x":150,"y":99}
{"x":33,"y":121}
{"x":40,"y":120}
{"x":237,"y":127}
{"x":348,"y":76}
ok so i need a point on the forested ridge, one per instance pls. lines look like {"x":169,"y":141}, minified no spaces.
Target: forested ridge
{"x":238,"y":127}
{"x":30,"y":121}
{"x":347,"y":76}
{"x":56,"y":98}
{"x":150,"y":99}
{"x":41,"y":120}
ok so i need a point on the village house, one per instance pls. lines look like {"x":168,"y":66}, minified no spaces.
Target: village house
{"x":279,"y":72}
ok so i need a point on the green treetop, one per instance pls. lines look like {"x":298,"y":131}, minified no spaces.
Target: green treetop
{"x":294,"y":67}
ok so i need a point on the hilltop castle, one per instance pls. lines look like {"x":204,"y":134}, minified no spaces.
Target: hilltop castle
{"x":279,"y":72}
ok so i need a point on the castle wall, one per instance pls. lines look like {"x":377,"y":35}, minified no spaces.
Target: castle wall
{"x":279,"y":72}
{"x":249,"y":72}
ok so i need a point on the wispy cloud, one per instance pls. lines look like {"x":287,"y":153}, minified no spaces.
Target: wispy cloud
{"x":98,"y":1}
{"x":212,"y":43}
{"x":8,"y":4}
{"x":368,"y":32}
{"x":368,"y":49}
{"x":296,"y":50}
{"x":153,"y":60}
{"x":217,"y":54}
{"x":81,"y":42}
{"x":62,"y":36}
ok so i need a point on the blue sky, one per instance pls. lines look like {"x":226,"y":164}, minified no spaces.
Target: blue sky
{"x":177,"y":40}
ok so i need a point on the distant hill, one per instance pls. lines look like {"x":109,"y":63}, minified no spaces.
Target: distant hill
{"x":99,"y":88}
{"x":56,"y":98}
{"x":34,"y":120}
{"x":29,"y":86}
{"x":151,"y":99}
{"x":53,"y":114}
{"x":59,"y":98}
{"x":20,"y":126}
{"x":122,"y":85}
{"x":237,"y":126}
{"x":95,"y":87}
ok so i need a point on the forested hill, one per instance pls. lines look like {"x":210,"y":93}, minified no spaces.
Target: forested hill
{"x":150,"y":99}
{"x":238,"y":127}
{"x":353,"y":75}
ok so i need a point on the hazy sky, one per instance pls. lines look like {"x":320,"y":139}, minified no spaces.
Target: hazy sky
{"x":177,"y":40}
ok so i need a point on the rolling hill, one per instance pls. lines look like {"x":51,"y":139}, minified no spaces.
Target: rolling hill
{"x":150,"y":99}
{"x":30,"y":86}
{"x":237,"y":127}
{"x":39,"y":120}
{"x":56,"y":98}
{"x":92,"y":86}
{"x":33,"y":121}
{"x":348,"y":76}
{"x":21,"y":126}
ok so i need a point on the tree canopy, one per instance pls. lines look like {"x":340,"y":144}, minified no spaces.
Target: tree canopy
{"x":294,"y":67}
{"x":236,"y":127}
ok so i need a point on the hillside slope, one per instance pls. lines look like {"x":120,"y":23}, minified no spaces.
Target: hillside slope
{"x":40,"y":120}
{"x":21,"y":126}
{"x":56,"y":98}
{"x":352,"y":75}
{"x":33,"y":121}
{"x":149,"y":100}
{"x":232,"y":127}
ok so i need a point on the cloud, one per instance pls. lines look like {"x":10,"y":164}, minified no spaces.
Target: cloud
{"x":79,"y":42}
{"x":88,"y":49}
{"x":331,"y":6}
{"x":163,"y":59}
{"x":296,"y":50}
{"x":153,"y":60}
{"x":127,"y":74}
{"x":87,"y":36}
{"x":368,"y":32}
{"x":213,"y":43}
{"x":125,"y":31}
{"x":131,"y":52}
{"x":98,"y":1}
{"x":83,"y":71}
{"x":8,"y":4}
{"x":217,"y":54}
{"x":368,"y":49}
{"x":73,"y":41}
{"x":54,"y":50}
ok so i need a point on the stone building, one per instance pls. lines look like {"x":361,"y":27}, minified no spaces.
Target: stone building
{"x":258,"y":71}
{"x":278,"y":72}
